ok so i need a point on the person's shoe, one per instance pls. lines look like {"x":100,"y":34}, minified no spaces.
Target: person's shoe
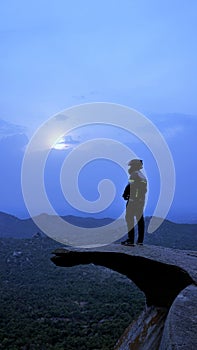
{"x":128,"y":242}
{"x":139,"y":243}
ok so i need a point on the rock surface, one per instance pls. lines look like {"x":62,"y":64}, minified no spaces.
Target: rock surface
{"x":161,"y":273}
{"x":168,"y":277}
{"x":180,"y":332}
{"x":146,"y":332}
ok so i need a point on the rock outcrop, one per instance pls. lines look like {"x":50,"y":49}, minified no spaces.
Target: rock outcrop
{"x":164,"y":275}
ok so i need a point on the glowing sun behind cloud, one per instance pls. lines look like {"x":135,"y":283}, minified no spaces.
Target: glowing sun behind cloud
{"x":64,"y":143}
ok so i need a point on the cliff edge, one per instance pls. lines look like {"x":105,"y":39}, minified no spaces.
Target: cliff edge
{"x":164,"y":275}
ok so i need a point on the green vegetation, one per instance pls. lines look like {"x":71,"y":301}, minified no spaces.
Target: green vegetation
{"x":45,"y":307}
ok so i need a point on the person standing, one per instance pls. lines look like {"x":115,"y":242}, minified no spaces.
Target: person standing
{"x":134,"y":194}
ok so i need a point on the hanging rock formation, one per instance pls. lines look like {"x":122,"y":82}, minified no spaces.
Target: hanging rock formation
{"x":168,"y":279}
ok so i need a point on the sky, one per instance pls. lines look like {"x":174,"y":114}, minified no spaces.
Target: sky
{"x":57,"y":54}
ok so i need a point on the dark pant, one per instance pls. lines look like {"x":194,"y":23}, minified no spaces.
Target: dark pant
{"x":135,"y":209}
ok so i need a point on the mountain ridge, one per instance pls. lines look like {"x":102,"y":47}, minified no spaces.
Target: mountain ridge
{"x":169,"y":234}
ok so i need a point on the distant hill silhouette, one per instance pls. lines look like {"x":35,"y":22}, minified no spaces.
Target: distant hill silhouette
{"x":169,"y":234}
{"x":173,"y":235}
{"x":13,"y":227}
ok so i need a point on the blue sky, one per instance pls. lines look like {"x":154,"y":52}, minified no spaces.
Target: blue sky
{"x":56,"y":54}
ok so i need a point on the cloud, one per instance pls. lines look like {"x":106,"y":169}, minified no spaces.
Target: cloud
{"x":172,"y":131}
{"x":11,"y":156}
{"x":12,"y":145}
{"x":85,"y":96}
{"x":79,"y":97}
{"x":61,"y":117}
{"x":9,"y":129}
{"x":66,"y":142}
{"x":174,"y":125}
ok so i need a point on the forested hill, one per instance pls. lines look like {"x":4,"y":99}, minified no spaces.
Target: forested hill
{"x":50,"y":308}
